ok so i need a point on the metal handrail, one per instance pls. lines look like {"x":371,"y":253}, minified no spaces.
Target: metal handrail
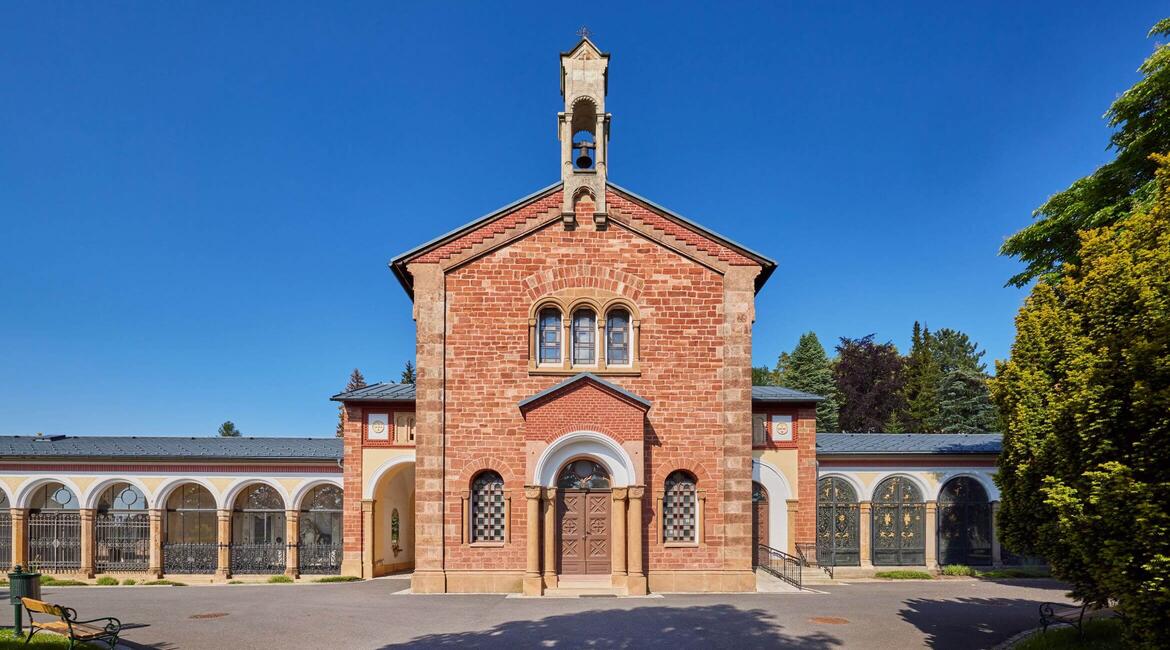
{"x":816,"y":561}
{"x":782,"y":565}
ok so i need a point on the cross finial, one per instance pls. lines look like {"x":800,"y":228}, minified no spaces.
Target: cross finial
{"x":584,"y":32}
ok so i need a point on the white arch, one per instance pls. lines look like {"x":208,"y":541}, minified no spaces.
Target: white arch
{"x":386,"y":466}
{"x":983,"y":479}
{"x":164,"y":491}
{"x":858,"y":488}
{"x":778,"y":495}
{"x":306,"y":486}
{"x":233,"y":491}
{"x":24,"y":493}
{"x":91,"y":496}
{"x":8,"y":495}
{"x":916,"y":480}
{"x":595,"y":445}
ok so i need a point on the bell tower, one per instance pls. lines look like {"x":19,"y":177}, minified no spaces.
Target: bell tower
{"x":583,"y":129}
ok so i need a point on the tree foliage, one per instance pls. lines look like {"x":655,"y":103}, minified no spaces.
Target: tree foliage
{"x":763,"y":376}
{"x":356,"y":380}
{"x":964,"y":403}
{"x":1085,"y":471}
{"x":808,"y":368}
{"x":922,"y":378}
{"x":1140,"y":118}
{"x":408,"y":373}
{"x":870,"y":379}
{"x":229,"y":430}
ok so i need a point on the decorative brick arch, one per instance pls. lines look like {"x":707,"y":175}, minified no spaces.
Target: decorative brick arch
{"x":583,"y":276}
{"x":696,"y":469}
{"x":493,"y":463}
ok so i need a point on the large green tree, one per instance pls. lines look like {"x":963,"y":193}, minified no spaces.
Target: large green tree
{"x":964,"y":403}
{"x":922,"y":377}
{"x":809,"y":369}
{"x":1085,"y":470}
{"x":1140,"y":118}
{"x":870,"y":378}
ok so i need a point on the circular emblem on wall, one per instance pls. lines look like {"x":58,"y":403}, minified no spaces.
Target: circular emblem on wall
{"x":781,"y":428}
{"x":379,"y":427}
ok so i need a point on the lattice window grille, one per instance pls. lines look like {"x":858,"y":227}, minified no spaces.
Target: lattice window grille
{"x":679,"y":509}
{"x":487,"y":508}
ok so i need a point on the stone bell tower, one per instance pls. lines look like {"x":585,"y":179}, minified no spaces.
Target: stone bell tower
{"x":583,"y":129}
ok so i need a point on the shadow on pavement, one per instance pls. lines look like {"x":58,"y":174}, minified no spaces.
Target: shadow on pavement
{"x":958,"y":623}
{"x":719,"y":626}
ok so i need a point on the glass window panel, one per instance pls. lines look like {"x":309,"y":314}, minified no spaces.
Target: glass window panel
{"x":584,"y":337}
{"x":550,"y":336}
{"x":617,"y":329}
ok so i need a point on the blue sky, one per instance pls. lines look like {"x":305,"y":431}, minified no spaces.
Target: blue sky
{"x":198,"y":200}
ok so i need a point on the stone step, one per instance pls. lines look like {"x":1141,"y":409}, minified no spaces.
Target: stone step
{"x":769,"y":584}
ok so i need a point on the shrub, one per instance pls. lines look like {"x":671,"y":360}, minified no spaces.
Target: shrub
{"x":51,"y":581}
{"x":129,"y":581}
{"x":338,"y":579}
{"x":903,"y":574}
{"x":1100,"y":634}
{"x":107,"y":581}
{"x":282,"y":580}
{"x":236,"y":582}
{"x":1000,"y":574}
{"x":167,"y":583}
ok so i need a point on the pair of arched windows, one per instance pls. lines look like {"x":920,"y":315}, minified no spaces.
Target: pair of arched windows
{"x":583,"y":335}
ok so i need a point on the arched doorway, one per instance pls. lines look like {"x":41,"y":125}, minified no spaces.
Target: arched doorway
{"x":392,"y":489}
{"x":5,"y":531}
{"x":899,"y":523}
{"x":54,"y":529}
{"x":190,"y":537}
{"x":121,"y":530}
{"x":964,"y":523}
{"x":258,"y":529}
{"x":320,"y":531}
{"x":584,"y":506}
{"x":759,"y":520}
{"x":838,"y":523}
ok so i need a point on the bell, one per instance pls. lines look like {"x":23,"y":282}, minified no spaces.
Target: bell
{"x":583,"y":160}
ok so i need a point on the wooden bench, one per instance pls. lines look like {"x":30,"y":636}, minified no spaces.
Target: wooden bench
{"x":1071,"y":615}
{"x":67,"y":625}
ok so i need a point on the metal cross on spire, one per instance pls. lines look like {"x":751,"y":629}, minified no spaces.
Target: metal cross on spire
{"x":584,"y":32}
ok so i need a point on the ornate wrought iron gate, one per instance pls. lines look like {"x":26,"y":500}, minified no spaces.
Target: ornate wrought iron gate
{"x":964,"y":523}
{"x":899,"y":523}
{"x":258,"y":558}
{"x":320,"y":558}
{"x":190,"y":558}
{"x":54,"y":541}
{"x":5,"y":540}
{"x":122,"y":541}
{"x":838,"y":523}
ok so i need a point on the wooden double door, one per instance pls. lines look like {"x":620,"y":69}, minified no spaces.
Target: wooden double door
{"x":759,"y":520}
{"x":584,"y":531}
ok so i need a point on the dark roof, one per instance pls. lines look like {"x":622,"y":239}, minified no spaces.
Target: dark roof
{"x":581,"y":377}
{"x":165,"y":447}
{"x":832,"y":444}
{"x":398,"y":264}
{"x":380,"y":392}
{"x":782,"y":394}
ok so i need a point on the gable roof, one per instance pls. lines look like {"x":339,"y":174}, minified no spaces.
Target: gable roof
{"x":584,"y":376}
{"x":398,"y":265}
{"x":846,"y":444}
{"x":379,"y":392}
{"x":171,"y":448}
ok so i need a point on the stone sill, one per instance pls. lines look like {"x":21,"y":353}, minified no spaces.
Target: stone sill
{"x":569,"y":372}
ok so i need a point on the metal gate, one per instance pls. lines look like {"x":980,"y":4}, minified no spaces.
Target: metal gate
{"x":838,"y":523}
{"x":190,"y":558}
{"x":5,"y":540}
{"x":899,"y":524}
{"x":320,"y":558}
{"x":54,"y":541}
{"x":258,"y":558}
{"x":122,"y":541}
{"x":964,"y":523}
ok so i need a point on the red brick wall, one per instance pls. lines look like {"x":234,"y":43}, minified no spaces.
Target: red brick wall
{"x":584,"y":406}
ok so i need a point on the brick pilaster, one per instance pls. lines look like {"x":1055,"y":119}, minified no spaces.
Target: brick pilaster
{"x":430,"y":323}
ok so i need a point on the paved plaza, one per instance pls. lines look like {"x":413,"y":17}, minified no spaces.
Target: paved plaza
{"x":951,"y":614}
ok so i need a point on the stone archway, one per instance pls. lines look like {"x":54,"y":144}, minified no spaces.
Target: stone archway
{"x":584,"y":519}
{"x":389,"y":516}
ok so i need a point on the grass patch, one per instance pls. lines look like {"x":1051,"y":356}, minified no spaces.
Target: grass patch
{"x":903,"y":574}
{"x":338,"y":579}
{"x":50,"y":581}
{"x":41,"y":640}
{"x":168,"y":583}
{"x":958,"y":570}
{"x":236,"y":582}
{"x":107,"y":581}
{"x":1100,"y":634}
{"x":280,"y":580}
{"x":1000,"y":574}
{"x":129,"y":582}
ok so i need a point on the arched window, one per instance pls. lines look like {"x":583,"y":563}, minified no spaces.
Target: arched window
{"x":838,"y":523}
{"x":54,"y":529}
{"x":759,"y":520}
{"x":680,"y":510}
{"x":584,"y":337}
{"x":550,"y":335}
{"x":899,"y":523}
{"x":191,"y":540}
{"x":121,"y":530}
{"x":964,"y":523}
{"x":617,"y":337}
{"x":5,"y":531}
{"x":487,"y":508}
{"x":320,"y":533}
{"x":258,"y":527}
{"x":583,"y":475}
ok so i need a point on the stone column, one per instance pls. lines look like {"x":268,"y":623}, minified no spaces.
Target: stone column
{"x":636,"y":575}
{"x":550,"y":538}
{"x":223,"y":570}
{"x":532,"y":585}
{"x":87,"y":542}
{"x":19,"y":536}
{"x":368,"y":538}
{"x":932,"y":535}
{"x":292,"y":535}
{"x":736,"y":500}
{"x":865,"y":532}
{"x":618,"y":537}
{"x":155,"y":562}
{"x":430,"y":306}
{"x":996,"y":547}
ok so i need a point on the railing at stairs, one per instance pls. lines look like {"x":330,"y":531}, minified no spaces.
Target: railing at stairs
{"x":782,"y":565}
{"x":805,"y":551}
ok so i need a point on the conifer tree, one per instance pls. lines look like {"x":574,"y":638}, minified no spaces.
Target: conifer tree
{"x":964,"y":404}
{"x":229,"y":430}
{"x":356,"y":381}
{"x":408,"y":374}
{"x":923,"y":374}
{"x":807,"y":368}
